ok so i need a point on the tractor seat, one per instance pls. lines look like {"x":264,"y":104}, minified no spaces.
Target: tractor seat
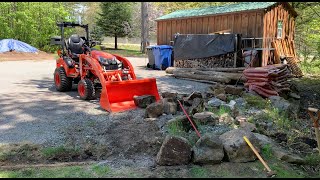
{"x":75,"y":45}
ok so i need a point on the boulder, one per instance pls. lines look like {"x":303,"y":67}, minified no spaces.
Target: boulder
{"x":205,"y":118}
{"x":230,"y":89}
{"x":194,"y":95}
{"x":264,"y":140}
{"x":174,"y":151}
{"x":143,"y":101}
{"x":222,"y":97}
{"x":240,"y":103}
{"x":294,"y":95}
{"x":235,"y":147}
{"x":208,"y":150}
{"x":169,"y":106}
{"x":215,"y":102}
{"x":154,"y":110}
{"x":283,"y":105}
{"x":248,"y":126}
{"x":287,"y":156}
{"x":219,"y":91}
{"x":197,"y":106}
{"x":170,"y":95}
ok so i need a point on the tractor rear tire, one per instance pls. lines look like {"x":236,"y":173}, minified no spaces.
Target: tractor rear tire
{"x":86,"y":89}
{"x":61,"y":81}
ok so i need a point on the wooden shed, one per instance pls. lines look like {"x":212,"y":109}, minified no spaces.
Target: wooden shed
{"x":260,"y":23}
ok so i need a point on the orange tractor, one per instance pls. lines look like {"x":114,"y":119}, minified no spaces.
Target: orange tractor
{"x":96,"y":71}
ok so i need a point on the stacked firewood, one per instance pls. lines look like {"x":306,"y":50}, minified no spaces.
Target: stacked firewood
{"x":270,"y":80}
{"x":225,"y":60}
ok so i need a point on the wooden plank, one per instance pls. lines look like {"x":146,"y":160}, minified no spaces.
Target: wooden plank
{"x":251,"y":25}
{"x":264,"y":36}
{"x":189,"y":26}
{"x":271,"y":22}
{"x":184,"y":27}
{"x":174,"y":28}
{"x":290,"y":28}
{"x":244,"y":24}
{"x":217,"y":21}
{"x":199,"y":26}
{"x":211,"y":25}
{"x":237,"y":23}
{"x":259,"y":25}
{"x":158,"y":33}
{"x":224,"y":22}
{"x":179,"y":26}
{"x":164,"y":33}
{"x":194,"y":26}
{"x":275,"y":22}
{"x":205,"y":25}
{"x":276,"y":53}
{"x":168,"y":35}
{"x":231,"y":22}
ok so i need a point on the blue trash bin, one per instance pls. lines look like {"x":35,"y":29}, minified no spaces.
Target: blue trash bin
{"x":162,"y":56}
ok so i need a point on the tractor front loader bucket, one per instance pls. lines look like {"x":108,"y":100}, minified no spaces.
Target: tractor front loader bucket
{"x":118,"y":96}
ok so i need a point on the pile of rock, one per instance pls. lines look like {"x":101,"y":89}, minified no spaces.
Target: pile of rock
{"x":221,"y":135}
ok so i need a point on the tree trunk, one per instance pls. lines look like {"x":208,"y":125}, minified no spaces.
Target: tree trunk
{"x":115,"y":41}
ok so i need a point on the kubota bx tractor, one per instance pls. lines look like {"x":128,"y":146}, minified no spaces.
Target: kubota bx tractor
{"x":97,"y":71}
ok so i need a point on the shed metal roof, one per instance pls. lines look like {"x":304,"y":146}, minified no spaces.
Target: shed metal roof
{"x":243,"y":6}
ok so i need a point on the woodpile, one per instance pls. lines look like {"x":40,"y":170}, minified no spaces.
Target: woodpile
{"x":269,"y":80}
{"x":221,"y":75}
{"x":225,"y":60}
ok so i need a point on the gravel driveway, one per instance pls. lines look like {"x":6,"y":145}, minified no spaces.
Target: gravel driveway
{"x":31,"y":110}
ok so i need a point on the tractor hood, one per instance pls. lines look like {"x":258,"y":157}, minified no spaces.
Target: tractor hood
{"x":96,"y":54}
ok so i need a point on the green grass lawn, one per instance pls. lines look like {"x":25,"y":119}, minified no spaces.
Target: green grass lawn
{"x":127,"y":50}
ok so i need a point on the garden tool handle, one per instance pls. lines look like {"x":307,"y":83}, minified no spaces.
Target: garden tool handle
{"x":311,"y":112}
{"x":257,"y":154}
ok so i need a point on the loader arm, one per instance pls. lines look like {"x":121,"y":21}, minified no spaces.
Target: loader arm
{"x":118,"y":95}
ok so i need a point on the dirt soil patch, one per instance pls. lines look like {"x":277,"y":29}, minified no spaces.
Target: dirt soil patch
{"x":17,"y":56}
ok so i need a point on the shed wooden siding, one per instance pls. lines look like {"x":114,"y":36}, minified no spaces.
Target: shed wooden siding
{"x":270,"y":20}
{"x":249,"y":24}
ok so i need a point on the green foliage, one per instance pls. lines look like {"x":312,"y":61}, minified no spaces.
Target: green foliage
{"x":115,"y":18}
{"x":198,"y":172}
{"x":176,"y":128}
{"x":266,"y":151}
{"x":256,"y":101}
{"x":284,"y":172}
{"x":60,"y":153}
{"x":101,"y":170}
{"x":31,"y":22}
{"x":313,"y":159}
{"x":279,"y":118}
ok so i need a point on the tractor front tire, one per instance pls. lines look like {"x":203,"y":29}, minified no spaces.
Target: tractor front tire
{"x":61,"y":81}
{"x":86,"y":89}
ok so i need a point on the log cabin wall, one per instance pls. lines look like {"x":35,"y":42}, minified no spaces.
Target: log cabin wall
{"x":247,"y":23}
{"x":279,"y":12}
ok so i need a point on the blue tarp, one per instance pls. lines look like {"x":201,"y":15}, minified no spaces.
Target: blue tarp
{"x":15,"y":45}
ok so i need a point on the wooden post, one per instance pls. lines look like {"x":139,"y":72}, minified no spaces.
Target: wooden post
{"x":144,"y":26}
{"x":311,"y":112}
{"x":235,"y":51}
